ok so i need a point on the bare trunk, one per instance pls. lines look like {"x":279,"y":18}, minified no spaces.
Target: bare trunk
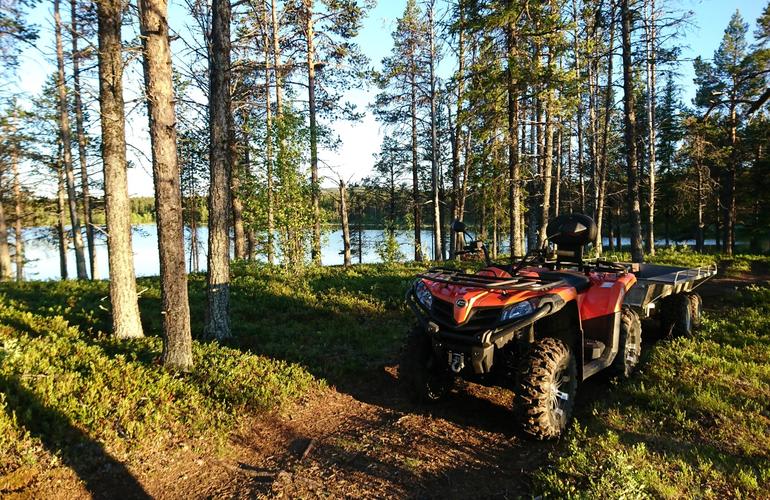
{"x":547,"y":172}
{"x":81,"y":137}
{"x":5,"y":254}
{"x":514,"y":167}
{"x":603,"y":155}
{"x":579,"y":115}
{"x":728,"y":185}
{"x":66,"y":137}
{"x":17,"y":205}
{"x":269,"y":135}
{"x":435,"y":179}
{"x":415,"y":169}
{"x":177,"y":345}
{"x":218,"y":274}
{"x":315,"y":191}
{"x":61,"y":222}
{"x":126,"y":322}
{"x":345,"y":224}
{"x":650,"y":29}
{"x":629,"y":109}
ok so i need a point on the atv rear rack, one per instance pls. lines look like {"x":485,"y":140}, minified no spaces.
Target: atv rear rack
{"x":455,"y":277}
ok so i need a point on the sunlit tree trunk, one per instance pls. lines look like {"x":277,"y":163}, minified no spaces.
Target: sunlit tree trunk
{"x":218,"y":311}
{"x":17,"y":205}
{"x":66,"y":137}
{"x":345,"y":224}
{"x":651,"y":101}
{"x":514,"y":167}
{"x":437,"y":240}
{"x":81,"y":137}
{"x":629,"y":109}
{"x":177,"y":345}
{"x":126,"y":322}
{"x":61,"y":217}
{"x":315,"y":247}
{"x":5,"y":254}
{"x":269,"y":128}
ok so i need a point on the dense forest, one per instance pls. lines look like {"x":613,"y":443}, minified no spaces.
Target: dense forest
{"x":503,"y":113}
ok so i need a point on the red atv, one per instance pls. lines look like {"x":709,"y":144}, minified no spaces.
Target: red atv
{"x":539,"y":327}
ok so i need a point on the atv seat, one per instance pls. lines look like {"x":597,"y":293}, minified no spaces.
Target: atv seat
{"x":579,"y":282}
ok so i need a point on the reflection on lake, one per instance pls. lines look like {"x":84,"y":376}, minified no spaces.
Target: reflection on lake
{"x":42,"y":254}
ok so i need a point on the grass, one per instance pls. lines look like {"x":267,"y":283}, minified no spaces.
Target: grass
{"x":63,"y":389}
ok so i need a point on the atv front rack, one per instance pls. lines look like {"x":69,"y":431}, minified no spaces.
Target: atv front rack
{"x":454,"y":277}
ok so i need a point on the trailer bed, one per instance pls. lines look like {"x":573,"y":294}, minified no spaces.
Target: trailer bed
{"x":655,"y":282}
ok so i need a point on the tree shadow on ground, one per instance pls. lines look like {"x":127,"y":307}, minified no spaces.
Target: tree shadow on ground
{"x":104,"y":476}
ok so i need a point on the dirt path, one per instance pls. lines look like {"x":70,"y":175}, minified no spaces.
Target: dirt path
{"x":371,"y":442}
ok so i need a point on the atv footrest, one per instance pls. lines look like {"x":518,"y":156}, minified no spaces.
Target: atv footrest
{"x":592,"y":349}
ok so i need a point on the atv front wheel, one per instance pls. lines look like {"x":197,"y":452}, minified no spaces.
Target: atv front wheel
{"x":677,"y":316}
{"x":426,"y":379}
{"x":629,"y":343}
{"x":546,"y":392}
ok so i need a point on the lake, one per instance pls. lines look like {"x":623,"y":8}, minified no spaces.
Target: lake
{"x":42,"y":253}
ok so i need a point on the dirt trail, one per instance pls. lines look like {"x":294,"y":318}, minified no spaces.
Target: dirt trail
{"x":373,"y":443}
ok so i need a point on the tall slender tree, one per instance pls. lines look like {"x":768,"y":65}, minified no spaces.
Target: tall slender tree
{"x":126,"y":322}
{"x":156,"y":49}
{"x":66,"y":140}
{"x":218,"y":275}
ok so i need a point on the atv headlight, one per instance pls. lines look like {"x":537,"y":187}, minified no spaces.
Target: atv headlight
{"x":517,"y":311}
{"x":423,"y":294}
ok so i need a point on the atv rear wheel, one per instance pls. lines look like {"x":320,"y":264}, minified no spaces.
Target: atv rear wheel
{"x":677,"y":316}
{"x":629,"y":343}
{"x":546,"y":393}
{"x":696,"y":309}
{"x":425,"y":377}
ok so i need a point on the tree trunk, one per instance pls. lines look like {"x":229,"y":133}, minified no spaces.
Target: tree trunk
{"x":126,"y":322}
{"x":81,"y":136}
{"x":728,"y":184}
{"x":345,"y":224}
{"x":269,"y":134}
{"x":547,"y":171}
{"x":629,"y":109}
{"x":315,"y":249}
{"x":435,"y":179}
{"x":64,"y":130}
{"x":604,"y":154}
{"x":5,"y":254}
{"x":218,"y":282}
{"x":17,"y":205}
{"x":701,"y":208}
{"x":579,"y":115}
{"x":514,"y":167}
{"x":177,"y":345}
{"x":417,"y":208}
{"x":61,"y":217}
{"x":650,"y":29}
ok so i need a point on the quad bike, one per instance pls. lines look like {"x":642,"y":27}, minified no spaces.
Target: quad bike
{"x":539,"y":327}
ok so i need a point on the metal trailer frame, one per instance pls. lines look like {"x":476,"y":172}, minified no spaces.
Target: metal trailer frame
{"x":655,"y":282}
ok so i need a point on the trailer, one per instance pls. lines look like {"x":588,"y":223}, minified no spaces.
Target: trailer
{"x":667,"y":293}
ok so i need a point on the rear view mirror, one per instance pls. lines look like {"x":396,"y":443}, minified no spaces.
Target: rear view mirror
{"x":458,"y":226}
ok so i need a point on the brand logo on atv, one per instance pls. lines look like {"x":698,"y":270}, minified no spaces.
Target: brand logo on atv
{"x":460,"y":303}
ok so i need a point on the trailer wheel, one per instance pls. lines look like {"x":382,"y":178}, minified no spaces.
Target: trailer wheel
{"x":425,"y":378}
{"x":546,"y":393}
{"x":677,"y":317}
{"x":696,"y":309}
{"x":629,"y":343}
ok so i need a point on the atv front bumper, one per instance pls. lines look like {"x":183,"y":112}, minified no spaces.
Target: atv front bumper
{"x":477,"y":347}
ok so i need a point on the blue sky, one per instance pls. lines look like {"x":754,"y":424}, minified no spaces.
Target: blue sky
{"x":353,"y":160}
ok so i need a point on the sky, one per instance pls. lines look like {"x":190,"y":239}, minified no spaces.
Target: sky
{"x":353,"y":160}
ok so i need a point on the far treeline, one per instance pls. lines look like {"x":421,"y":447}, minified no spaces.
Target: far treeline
{"x":503,"y":113}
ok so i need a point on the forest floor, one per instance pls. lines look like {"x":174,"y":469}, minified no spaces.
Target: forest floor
{"x":306,"y":402}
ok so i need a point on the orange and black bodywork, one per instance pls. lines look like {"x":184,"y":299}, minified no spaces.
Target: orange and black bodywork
{"x":481,"y":323}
